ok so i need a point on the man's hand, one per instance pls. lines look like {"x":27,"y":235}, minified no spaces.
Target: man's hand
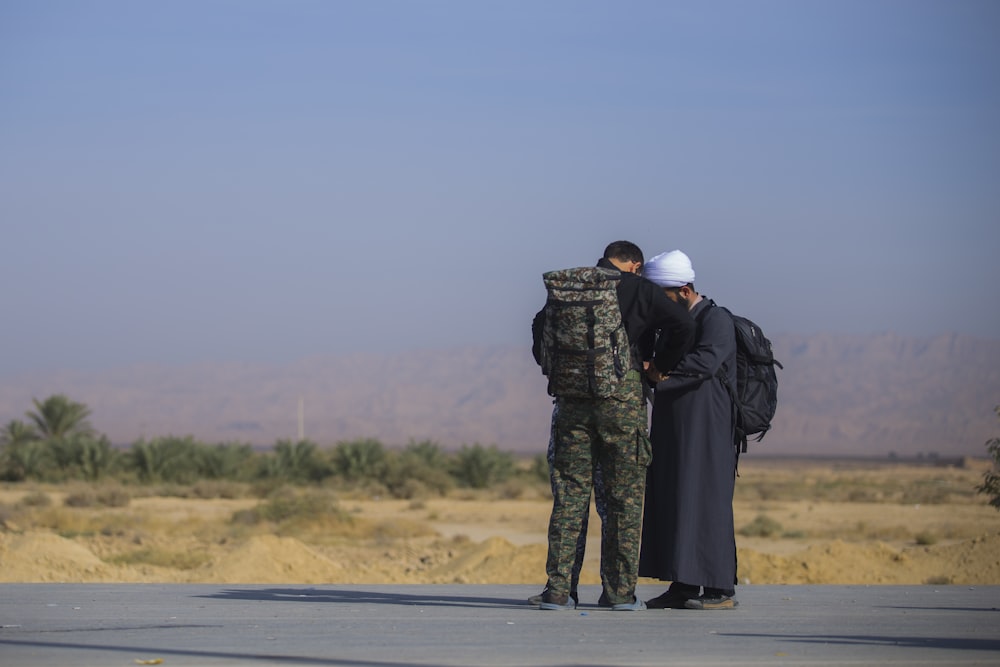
{"x":654,"y":374}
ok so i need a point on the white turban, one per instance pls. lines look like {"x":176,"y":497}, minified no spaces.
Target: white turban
{"x":669,"y":269}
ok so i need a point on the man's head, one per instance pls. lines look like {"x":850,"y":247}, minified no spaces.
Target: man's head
{"x":673,"y":272}
{"x":684,"y":295}
{"x":625,"y":255}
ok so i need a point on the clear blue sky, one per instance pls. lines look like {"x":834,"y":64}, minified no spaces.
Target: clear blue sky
{"x":258,"y":181}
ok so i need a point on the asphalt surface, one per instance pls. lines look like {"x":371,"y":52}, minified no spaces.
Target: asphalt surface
{"x":84,"y":625}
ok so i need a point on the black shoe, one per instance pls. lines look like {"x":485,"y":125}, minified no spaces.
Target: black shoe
{"x":536,"y":600}
{"x":712,"y":601}
{"x":603,"y":601}
{"x":669,"y":600}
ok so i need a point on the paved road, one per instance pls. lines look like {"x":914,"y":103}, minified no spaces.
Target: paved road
{"x":90,"y":625}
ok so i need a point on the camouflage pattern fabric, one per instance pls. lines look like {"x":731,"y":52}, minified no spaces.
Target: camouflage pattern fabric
{"x":599,"y":502}
{"x":585,"y":349}
{"x":610,"y":433}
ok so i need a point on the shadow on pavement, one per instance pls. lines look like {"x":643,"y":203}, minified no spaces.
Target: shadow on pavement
{"x":952,"y":643}
{"x":907,"y":607}
{"x":242,"y":658}
{"x":356,"y":596}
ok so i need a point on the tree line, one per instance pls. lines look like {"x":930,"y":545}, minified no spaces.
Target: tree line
{"x":57,"y":443}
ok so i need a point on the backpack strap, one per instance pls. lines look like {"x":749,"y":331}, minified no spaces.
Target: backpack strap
{"x":739,"y":436}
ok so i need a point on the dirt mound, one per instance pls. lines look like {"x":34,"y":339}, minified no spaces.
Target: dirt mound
{"x":36,"y":556}
{"x":492,"y":561}
{"x":267,"y":559}
{"x":975,"y":561}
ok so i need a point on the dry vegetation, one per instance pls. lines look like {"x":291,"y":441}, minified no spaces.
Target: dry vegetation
{"x":796,"y":523}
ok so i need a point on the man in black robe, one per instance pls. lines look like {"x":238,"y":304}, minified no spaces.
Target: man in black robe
{"x":687,"y":532}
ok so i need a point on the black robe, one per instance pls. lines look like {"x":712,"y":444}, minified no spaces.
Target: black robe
{"x":687,"y":528}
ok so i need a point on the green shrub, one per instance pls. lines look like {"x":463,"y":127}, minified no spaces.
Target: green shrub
{"x":36,"y":499}
{"x":106,"y":497}
{"x":926,"y":492}
{"x":286,"y":506}
{"x":213,"y":488}
{"x":296,"y":462}
{"x":360,"y":460}
{"x":479,"y":467}
{"x":114,"y":497}
{"x":991,"y":479}
{"x":407,"y":488}
{"x":419,"y":470}
{"x":175,"y":560}
{"x":862,"y":496}
{"x":85,"y":498}
{"x":309,"y":505}
{"x":228,"y":461}
{"x":761,"y":526}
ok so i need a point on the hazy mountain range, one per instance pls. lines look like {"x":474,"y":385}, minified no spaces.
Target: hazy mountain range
{"x":839,"y":395}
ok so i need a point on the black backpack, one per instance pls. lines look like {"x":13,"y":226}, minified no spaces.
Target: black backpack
{"x":756,"y":393}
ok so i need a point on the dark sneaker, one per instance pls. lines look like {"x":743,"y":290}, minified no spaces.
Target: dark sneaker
{"x":635,"y":605}
{"x":669,"y":600}
{"x":712,"y":602}
{"x":536,"y":600}
{"x":556,"y":602}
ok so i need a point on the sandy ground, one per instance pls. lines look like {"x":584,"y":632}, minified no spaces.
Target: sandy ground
{"x":468,"y":538}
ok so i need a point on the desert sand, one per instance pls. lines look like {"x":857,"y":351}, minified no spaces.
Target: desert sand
{"x":796,"y":524}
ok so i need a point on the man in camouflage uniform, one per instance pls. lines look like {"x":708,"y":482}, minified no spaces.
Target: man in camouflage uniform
{"x":609,"y":434}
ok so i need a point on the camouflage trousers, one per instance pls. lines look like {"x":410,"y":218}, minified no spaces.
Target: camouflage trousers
{"x":599,"y":503}
{"x":609,"y":434}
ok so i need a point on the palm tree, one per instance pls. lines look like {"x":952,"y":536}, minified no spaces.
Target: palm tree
{"x":21,"y":453}
{"x":360,"y":460}
{"x":58,"y":417}
{"x":227,"y":461}
{"x":168,"y":459}
{"x":297,"y":461}
{"x":95,"y":457}
{"x":16,"y":432}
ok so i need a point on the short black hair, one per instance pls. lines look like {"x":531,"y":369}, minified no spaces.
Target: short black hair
{"x":624,"y":251}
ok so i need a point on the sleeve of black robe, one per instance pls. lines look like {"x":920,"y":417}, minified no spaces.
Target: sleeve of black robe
{"x":714,"y":343}
{"x":675,"y":326}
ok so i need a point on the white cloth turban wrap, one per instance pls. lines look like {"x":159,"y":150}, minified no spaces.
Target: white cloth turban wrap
{"x":669,"y":269}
